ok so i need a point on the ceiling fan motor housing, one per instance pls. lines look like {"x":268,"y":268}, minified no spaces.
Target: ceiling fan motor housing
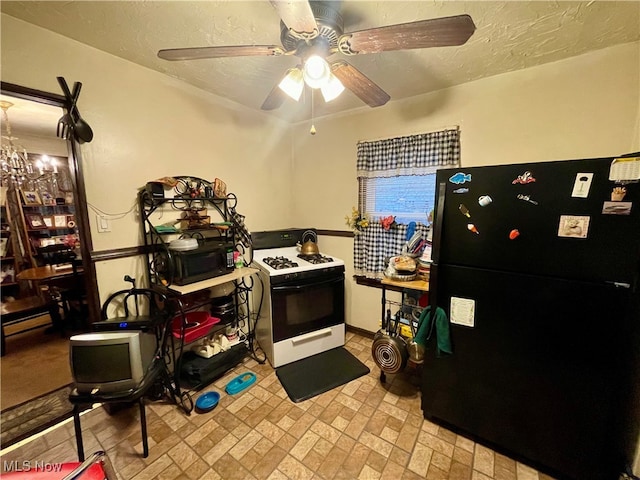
{"x":330,"y":28}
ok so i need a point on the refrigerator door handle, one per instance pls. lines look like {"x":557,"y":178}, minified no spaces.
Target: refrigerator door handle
{"x":437,"y":232}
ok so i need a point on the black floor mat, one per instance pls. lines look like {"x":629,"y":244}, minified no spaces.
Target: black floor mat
{"x":320,"y":373}
{"x":33,"y":416}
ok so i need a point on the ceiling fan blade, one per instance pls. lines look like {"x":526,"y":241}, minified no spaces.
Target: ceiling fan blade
{"x":360,"y":84}
{"x":436,"y":32}
{"x":298,"y":17}
{"x":275,"y":98}
{"x":196,"y":53}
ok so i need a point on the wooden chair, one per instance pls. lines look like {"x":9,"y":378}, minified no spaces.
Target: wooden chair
{"x":72,"y":292}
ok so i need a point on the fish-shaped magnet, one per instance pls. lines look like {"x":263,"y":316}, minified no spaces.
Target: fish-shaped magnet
{"x":461,"y":190}
{"x":525,"y":178}
{"x":460,"y":178}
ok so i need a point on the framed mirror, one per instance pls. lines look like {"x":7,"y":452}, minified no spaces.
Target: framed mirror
{"x":57,"y":181}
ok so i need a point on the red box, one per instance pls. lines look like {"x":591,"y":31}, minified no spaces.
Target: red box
{"x":197,"y":325}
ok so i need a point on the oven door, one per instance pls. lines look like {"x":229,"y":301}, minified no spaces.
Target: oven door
{"x":303,"y":306}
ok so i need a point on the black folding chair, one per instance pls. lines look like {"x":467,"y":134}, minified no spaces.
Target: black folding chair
{"x":131,"y":309}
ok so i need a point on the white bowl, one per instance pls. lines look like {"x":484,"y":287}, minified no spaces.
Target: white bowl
{"x":183,"y":244}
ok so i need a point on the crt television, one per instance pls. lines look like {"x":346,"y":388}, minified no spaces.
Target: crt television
{"x":107,"y":362}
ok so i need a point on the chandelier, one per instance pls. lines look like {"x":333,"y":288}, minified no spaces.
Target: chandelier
{"x":15,"y":166}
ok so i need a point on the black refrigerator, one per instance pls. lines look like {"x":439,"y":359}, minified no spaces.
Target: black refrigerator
{"x":537,"y":269}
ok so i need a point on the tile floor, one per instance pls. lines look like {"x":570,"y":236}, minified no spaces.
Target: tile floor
{"x":362,"y":430}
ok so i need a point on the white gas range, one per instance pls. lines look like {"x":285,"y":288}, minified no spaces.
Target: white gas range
{"x":289,"y":260}
{"x":302,"y":311}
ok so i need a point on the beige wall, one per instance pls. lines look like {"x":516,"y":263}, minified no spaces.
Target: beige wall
{"x":584,"y":107}
{"x":146,"y":126}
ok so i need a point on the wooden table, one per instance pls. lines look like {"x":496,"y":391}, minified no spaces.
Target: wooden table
{"x":53,"y":275}
{"x":421,"y":285}
{"x":46,"y":273}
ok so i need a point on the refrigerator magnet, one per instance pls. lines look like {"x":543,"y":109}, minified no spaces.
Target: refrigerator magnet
{"x":460,"y":178}
{"x":618,"y":193}
{"x":526,"y":198}
{"x":461,"y":190}
{"x":616,"y":208}
{"x":464,"y":210}
{"x":472,"y":228}
{"x":582,"y":185}
{"x":625,"y":169}
{"x":523,"y":179}
{"x":463,"y":311}
{"x":513,"y":234}
{"x":573,"y":226}
{"x":484,"y":200}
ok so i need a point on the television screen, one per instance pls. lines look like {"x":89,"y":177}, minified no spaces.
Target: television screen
{"x":110,"y":361}
{"x":101,"y":363}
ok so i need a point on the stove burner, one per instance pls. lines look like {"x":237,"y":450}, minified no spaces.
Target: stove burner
{"x":279,"y":263}
{"x":316,"y":258}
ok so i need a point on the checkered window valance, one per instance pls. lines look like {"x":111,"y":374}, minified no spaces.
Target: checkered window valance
{"x":420,"y":154}
{"x":412,"y":155}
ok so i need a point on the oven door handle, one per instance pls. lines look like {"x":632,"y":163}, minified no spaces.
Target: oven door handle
{"x":290,"y":288}
{"x":325,"y":332}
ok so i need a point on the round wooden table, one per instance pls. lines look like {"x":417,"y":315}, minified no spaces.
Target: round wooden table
{"x":48,"y":272}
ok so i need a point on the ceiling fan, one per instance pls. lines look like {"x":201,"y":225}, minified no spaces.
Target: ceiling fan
{"x":313,"y":31}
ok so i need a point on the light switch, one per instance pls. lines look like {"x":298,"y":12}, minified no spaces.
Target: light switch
{"x":103,"y":224}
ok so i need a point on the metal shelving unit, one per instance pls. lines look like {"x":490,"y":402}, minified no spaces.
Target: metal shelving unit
{"x":191,"y":199}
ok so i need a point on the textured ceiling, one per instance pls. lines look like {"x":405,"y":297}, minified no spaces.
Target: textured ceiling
{"x":510,"y":35}
{"x":30,"y":118}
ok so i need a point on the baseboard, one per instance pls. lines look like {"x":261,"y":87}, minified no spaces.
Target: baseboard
{"x":359,"y":331}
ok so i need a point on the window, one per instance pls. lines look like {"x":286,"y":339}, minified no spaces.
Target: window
{"x":396,"y":176}
{"x":409,"y":198}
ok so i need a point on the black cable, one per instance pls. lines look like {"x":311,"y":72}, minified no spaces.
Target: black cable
{"x":251,"y":336}
{"x":244,"y":287}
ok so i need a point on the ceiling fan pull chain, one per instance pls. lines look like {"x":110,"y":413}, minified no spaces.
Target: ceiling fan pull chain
{"x":313,"y":127}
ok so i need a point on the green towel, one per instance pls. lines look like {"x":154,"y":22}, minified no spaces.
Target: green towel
{"x":443,"y":334}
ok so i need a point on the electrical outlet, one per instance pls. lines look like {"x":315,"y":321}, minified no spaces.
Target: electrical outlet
{"x":104,"y":225}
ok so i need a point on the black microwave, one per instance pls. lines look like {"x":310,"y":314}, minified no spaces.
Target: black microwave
{"x":209,"y":260}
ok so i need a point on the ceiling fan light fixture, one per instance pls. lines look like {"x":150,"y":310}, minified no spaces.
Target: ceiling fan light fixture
{"x":292,"y":84}
{"x":332,"y":89}
{"x":316,"y":71}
